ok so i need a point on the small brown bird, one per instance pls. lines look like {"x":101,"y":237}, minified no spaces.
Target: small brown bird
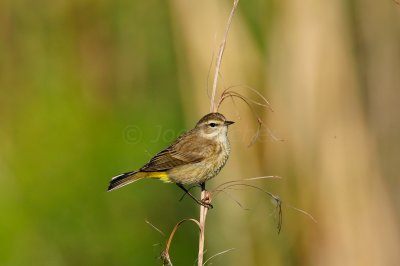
{"x":195,"y":157}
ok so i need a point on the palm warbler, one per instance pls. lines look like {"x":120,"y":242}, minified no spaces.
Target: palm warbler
{"x":195,"y":157}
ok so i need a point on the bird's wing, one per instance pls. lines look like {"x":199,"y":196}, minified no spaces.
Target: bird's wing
{"x":182,"y":152}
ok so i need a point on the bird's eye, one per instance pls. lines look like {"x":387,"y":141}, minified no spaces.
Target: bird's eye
{"x":213,"y":125}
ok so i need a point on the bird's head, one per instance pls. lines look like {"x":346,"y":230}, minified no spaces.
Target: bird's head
{"x":213,"y":126}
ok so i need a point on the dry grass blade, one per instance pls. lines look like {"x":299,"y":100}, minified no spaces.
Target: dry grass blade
{"x":244,"y":99}
{"x":271,"y":134}
{"x":176,"y":227}
{"x":257,"y":134}
{"x":236,"y":110}
{"x":155,"y":228}
{"x":303,"y":212}
{"x":218,"y":254}
{"x":228,"y":93}
{"x":264,"y":102}
{"x":247,"y":179}
{"x":165,"y":253}
{"x":232,"y":198}
{"x":254,"y":91}
{"x":276,"y":200}
{"x":263,"y":177}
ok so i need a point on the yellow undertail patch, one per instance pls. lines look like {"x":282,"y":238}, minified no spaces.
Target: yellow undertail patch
{"x":163,"y":176}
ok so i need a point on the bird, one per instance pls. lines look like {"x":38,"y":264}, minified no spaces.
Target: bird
{"x":192,"y":159}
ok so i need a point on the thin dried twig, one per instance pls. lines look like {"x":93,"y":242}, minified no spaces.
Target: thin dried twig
{"x":262,"y":177}
{"x":232,"y":198}
{"x":176,"y":228}
{"x":259,"y":121}
{"x":264,"y":102}
{"x":247,"y":179}
{"x":254,"y":91}
{"x":276,"y":200}
{"x":271,"y":134}
{"x":229,"y":93}
{"x":165,"y":253}
{"x":303,"y":212}
{"x":219,"y":253}
{"x":235,"y":108}
{"x":155,"y":228}
{"x":220,"y":54}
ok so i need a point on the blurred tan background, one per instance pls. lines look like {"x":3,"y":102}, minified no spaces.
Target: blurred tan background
{"x":90,"y":89}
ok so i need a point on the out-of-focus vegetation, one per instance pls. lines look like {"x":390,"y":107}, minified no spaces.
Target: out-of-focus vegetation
{"x":89,"y":89}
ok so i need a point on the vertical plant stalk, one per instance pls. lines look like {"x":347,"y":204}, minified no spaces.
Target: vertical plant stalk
{"x":219,"y":58}
{"x":205,"y":197}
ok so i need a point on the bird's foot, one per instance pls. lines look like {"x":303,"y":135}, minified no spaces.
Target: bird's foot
{"x":206,"y":204}
{"x":206,"y":201}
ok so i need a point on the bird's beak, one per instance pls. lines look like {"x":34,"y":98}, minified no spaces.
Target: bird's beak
{"x":227,"y":123}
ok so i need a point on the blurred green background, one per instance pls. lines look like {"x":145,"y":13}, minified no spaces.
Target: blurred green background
{"x":90,"y":89}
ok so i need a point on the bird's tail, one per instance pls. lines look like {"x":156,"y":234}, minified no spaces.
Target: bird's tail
{"x":127,"y":178}
{"x":124,"y":179}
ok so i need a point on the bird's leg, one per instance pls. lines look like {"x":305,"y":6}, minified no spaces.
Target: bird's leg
{"x":200,"y":202}
{"x":184,"y":194}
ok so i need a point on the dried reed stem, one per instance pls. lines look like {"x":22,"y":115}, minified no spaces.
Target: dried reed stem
{"x":219,"y":58}
{"x":205,"y":197}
